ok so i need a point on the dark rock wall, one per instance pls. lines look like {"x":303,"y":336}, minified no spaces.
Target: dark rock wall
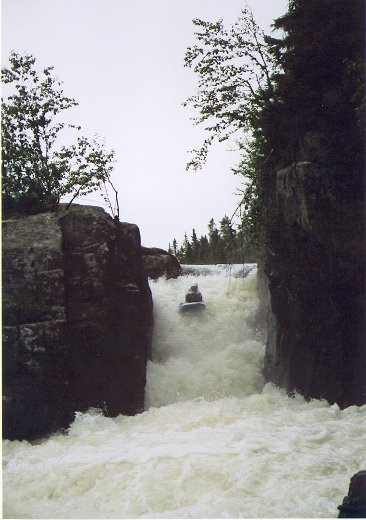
{"x":77,"y":313}
{"x":34,"y":327}
{"x":315,"y":273}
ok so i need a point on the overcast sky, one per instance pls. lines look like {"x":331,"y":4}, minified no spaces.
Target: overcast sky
{"x":122,"y":60}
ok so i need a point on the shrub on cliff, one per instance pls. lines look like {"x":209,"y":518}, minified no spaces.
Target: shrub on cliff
{"x":37,"y":171}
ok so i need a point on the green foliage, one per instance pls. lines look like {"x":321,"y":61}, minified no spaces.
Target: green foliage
{"x":235,"y":69}
{"x":221,"y":246}
{"x":321,"y":86}
{"x":234,"y":78}
{"x":272,"y":92}
{"x":36,"y":171}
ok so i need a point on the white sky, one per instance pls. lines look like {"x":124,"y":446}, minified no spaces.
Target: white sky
{"x":122,"y":60}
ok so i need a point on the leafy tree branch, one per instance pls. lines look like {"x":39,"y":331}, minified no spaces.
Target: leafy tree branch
{"x":234,"y":69}
{"x":37,"y":171}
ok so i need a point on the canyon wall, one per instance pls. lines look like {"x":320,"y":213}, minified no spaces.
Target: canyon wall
{"x":77,"y":319}
{"x":312,"y":286}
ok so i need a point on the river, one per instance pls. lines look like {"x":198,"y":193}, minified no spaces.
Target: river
{"x":215,"y":441}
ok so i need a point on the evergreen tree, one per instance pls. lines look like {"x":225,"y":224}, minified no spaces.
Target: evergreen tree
{"x":187,"y":251}
{"x":227,"y":240}
{"x":204,"y":250}
{"x":226,"y":245}
{"x":213,"y":240}
{"x":181,"y":255}
{"x":195,"y":247}
{"x":320,"y":87}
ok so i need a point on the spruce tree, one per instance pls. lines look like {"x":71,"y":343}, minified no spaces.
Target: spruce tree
{"x":320,"y":87}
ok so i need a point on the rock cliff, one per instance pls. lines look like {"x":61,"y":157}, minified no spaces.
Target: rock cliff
{"x":314,"y":285}
{"x":77,"y":316}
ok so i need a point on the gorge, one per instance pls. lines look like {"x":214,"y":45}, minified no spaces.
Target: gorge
{"x":214,"y":440}
{"x":211,"y":438}
{"x":117,"y":406}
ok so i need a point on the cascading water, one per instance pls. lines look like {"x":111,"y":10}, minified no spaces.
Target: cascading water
{"x":209,"y":355}
{"x":214,"y":441}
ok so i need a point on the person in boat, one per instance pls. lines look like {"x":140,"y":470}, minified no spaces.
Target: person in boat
{"x":193,"y":295}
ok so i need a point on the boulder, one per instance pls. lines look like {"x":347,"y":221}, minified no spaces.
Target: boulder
{"x":77,"y":316}
{"x":354,"y":504}
{"x":158,"y":262}
{"x":313,"y":287}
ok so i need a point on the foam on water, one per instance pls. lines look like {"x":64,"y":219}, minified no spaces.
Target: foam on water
{"x":212,"y":354}
{"x":212,"y":443}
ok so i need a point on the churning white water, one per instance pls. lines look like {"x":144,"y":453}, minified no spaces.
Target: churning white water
{"x":214,"y":441}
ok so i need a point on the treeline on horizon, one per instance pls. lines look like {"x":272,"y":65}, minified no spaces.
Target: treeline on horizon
{"x":223,"y":245}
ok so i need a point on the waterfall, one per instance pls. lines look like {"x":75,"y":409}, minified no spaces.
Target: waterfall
{"x":214,"y":440}
{"x":210,"y":355}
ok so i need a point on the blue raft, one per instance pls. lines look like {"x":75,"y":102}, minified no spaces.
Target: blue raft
{"x":194,"y":307}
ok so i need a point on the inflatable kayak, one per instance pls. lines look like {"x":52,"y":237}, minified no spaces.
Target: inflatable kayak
{"x":191,"y":307}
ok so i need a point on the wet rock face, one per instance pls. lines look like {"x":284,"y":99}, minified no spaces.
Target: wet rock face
{"x":315,"y":275}
{"x":77,"y":313}
{"x":158,"y":262}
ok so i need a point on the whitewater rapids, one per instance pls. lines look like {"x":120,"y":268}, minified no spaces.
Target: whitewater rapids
{"x":214,"y":441}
